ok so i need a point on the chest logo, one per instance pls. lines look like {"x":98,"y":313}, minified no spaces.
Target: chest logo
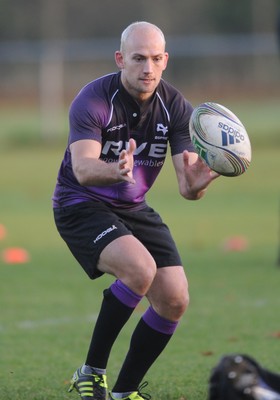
{"x":162,"y":128}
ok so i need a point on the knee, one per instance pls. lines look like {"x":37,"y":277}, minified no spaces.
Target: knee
{"x":175,"y":306}
{"x":140,"y":277}
{"x":179,"y":305}
{"x":143,"y":279}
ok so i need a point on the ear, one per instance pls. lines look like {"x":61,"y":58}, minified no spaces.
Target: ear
{"x":119,"y":59}
{"x":166,"y":57}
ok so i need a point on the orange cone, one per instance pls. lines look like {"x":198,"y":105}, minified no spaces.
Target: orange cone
{"x":15,"y":255}
{"x":236,"y":243}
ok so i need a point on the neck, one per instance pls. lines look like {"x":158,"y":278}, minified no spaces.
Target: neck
{"x":141,"y":98}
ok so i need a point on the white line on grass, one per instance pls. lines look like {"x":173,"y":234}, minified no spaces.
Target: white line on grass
{"x":35,"y":324}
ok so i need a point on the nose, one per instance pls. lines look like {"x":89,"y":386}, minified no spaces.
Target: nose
{"x":148,"y":66}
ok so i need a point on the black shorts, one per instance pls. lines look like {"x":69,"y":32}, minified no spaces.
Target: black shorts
{"x":87,"y":228}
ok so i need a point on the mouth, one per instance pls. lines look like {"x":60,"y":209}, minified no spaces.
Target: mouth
{"x":147,"y":80}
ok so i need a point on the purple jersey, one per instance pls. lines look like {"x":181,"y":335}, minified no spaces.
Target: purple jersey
{"x":104,"y":111}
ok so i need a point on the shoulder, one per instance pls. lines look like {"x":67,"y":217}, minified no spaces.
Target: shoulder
{"x":95,"y":98}
{"x":103,"y":87}
{"x":173,"y":99}
{"x":168,"y":91}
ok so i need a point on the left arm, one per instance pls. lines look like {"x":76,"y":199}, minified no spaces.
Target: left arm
{"x":193,"y":175}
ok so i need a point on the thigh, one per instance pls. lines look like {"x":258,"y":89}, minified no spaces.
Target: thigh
{"x":128,"y":260}
{"x":102,"y":242}
{"x":148,"y":227}
{"x":87,"y":228}
{"x":168,"y":293}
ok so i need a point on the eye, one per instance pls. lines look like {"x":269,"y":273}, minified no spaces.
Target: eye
{"x":138,"y":58}
{"x":158,"y":60}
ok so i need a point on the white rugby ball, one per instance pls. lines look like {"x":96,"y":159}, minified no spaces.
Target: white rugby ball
{"x":220,"y":139}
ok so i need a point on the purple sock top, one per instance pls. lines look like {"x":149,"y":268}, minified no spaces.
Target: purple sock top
{"x":124,"y":294}
{"x":159,"y":323}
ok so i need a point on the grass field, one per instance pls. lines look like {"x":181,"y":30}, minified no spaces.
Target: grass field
{"x":48,"y":306}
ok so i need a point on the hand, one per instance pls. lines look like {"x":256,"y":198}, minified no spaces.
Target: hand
{"x":198,"y":174}
{"x":126,"y":162}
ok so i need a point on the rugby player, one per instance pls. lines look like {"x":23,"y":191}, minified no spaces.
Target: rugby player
{"x":120,"y":128}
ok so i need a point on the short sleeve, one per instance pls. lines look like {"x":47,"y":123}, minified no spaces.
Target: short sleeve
{"x":88,"y":114}
{"x":180,"y":139}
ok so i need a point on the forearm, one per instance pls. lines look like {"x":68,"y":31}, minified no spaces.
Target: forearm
{"x":89,"y":170}
{"x":95,"y":172}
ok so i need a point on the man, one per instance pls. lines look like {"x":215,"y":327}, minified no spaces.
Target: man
{"x":120,"y":126}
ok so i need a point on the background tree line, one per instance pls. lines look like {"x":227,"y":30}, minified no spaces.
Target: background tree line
{"x":35,"y":19}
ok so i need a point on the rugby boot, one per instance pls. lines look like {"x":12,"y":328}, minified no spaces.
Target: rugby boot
{"x":137,"y":395}
{"x":89,"y":384}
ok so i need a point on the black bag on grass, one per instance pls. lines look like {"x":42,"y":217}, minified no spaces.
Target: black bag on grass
{"x":238,"y":377}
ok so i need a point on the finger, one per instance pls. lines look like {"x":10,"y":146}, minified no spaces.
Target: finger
{"x":122,"y":155}
{"x":122,"y":162}
{"x":190,"y":158}
{"x":131,"y":146}
{"x":124,"y":172}
{"x":186,"y":157}
{"x":214,"y":175}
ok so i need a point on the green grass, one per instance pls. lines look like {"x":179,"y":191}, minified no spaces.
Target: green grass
{"x":48,"y":306}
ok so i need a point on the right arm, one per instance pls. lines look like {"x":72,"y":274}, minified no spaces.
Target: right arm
{"x":89,"y":170}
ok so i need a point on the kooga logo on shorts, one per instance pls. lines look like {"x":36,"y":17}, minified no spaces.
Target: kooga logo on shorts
{"x":100,"y":236}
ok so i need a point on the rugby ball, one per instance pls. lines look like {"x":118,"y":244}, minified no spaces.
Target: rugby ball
{"x":220,"y":139}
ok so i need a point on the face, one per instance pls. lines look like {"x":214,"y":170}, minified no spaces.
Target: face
{"x":142,"y":61}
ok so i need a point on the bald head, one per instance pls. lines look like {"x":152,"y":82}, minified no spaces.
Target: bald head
{"x":142,"y":59}
{"x":140,"y":28}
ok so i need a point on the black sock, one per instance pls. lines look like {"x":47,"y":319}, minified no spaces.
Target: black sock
{"x":145,"y":346}
{"x":112,"y":317}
